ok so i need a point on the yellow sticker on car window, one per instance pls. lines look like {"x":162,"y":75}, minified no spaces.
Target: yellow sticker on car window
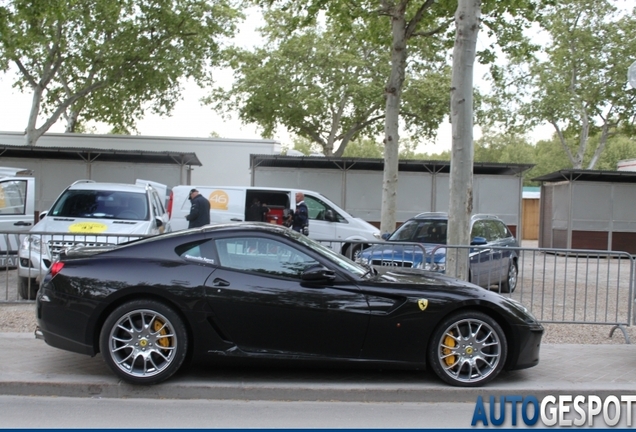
{"x":88,"y":227}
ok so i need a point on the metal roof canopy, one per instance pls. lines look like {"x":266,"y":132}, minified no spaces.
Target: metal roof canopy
{"x":405,"y":165}
{"x":588,"y":175}
{"x":102,"y":155}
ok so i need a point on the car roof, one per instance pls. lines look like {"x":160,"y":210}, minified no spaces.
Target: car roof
{"x":121,"y":187}
{"x":444,"y":216}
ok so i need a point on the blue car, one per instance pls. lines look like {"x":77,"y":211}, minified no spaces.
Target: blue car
{"x":490,"y":264}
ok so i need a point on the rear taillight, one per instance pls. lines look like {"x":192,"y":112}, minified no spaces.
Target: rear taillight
{"x":170,"y":205}
{"x":56,"y":267}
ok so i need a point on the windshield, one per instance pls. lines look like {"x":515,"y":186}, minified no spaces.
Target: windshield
{"x":102,"y":204}
{"x":421,"y":231}
{"x":340,"y":260}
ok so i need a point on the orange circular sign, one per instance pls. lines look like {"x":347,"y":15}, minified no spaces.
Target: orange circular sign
{"x":219,"y":200}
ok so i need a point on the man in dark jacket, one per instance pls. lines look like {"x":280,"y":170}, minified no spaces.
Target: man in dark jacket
{"x":199,"y":210}
{"x":300,"y":218}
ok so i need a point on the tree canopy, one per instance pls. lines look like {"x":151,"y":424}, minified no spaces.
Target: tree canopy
{"x":576,"y":82}
{"x":109,"y":60}
{"x":327,"y":85}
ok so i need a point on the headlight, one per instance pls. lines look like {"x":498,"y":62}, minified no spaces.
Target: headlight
{"x":32,"y":244}
{"x":436,"y":267}
{"x":363,"y":261}
{"x":522,"y":308}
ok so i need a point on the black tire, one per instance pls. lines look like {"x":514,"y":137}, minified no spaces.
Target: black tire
{"x":509,"y":285}
{"x":352,"y":251}
{"x":144,"y":342}
{"x":468,"y":349}
{"x":27,"y":288}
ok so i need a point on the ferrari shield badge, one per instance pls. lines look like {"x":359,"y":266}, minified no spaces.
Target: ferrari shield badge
{"x":423,"y":304}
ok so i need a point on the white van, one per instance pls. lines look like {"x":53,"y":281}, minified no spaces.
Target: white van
{"x":327,"y":221}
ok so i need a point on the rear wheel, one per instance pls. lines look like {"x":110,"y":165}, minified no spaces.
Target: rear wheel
{"x":510,"y":283}
{"x":144,"y":342}
{"x":27,"y":288}
{"x":468,"y":349}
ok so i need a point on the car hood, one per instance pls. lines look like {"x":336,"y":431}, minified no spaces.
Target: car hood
{"x":421,"y":277}
{"x":404,"y":252}
{"x":82,"y":226}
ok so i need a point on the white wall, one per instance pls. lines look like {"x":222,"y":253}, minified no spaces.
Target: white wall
{"x":226,"y":162}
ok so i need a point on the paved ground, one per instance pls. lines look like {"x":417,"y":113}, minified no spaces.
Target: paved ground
{"x":30,"y":367}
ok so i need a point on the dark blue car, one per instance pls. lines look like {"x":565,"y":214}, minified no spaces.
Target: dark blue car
{"x":491,"y":263}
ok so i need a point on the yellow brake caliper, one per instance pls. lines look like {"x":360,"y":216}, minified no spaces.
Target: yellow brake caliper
{"x":449,"y":341}
{"x":164,"y":341}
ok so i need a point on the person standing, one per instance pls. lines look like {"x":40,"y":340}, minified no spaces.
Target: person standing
{"x":300,"y":218}
{"x":199,"y":210}
{"x":257,"y":211}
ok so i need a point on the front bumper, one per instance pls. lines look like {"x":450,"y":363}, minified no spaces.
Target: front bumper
{"x":529,"y":339}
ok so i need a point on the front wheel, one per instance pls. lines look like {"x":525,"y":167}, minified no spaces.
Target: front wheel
{"x":144,"y":342}
{"x":468,"y":349}
{"x":510,"y":283}
{"x":353,"y":250}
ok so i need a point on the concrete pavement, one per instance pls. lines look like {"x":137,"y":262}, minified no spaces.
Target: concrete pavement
{"x":30,"y":367}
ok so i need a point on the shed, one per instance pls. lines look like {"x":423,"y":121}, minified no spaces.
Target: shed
{"x":588,"y":209}
{"x":423,"y":185}
{"x":54,"y":168}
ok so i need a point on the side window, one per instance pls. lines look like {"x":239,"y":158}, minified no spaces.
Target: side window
{"x":157,"y":206}
{"x":319,"y":210}
{"x":263,"y":255}
{"x":199,"y":252}
{"x":479,"y":230}
{"x":12,"y":197}
{"x":499,"y":229}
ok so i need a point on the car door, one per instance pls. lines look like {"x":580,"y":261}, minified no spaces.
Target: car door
{"x":15,"y":215}
{"x":480,"y":256}
{"x":263,"y":307}
{"x":323,"y":220}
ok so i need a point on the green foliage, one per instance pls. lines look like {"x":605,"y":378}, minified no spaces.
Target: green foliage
{"x":577,"y":82}
{"x":364,"y":148}
{"x":128,"y":55}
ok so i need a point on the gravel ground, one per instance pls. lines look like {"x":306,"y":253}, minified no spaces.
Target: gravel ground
{"x":21,"y":318}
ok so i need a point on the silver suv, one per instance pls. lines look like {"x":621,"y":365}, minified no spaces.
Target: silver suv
{"x":89,"y":214}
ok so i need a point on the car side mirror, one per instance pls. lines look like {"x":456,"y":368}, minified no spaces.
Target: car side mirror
{"x":318,"y":274}
{"x":158,"y":221}
{"x":478,"y":241}
{"x":330,"y":216}
{"x":43,"y":214}
{"x":386,"y":236}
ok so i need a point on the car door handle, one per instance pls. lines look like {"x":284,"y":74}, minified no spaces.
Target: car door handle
{"x":218,"y":282}
{"x":236,"y":220}
{"x":23,"y":223}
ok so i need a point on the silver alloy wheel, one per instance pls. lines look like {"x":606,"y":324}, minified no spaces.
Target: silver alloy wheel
{"x":512,"y":276}
{"x":469,"y":350}
{"x":142,"y":343}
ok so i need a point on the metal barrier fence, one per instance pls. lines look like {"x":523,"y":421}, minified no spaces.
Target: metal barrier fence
{"x":556,"y":285}
{"x":26,"y":257}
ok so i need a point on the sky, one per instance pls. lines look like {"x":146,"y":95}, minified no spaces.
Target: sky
{"x":192,"y":119}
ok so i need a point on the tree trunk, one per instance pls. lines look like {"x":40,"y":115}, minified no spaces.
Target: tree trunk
{"x":393,"y":92}
{"x":467,"y":20}
{"x":32,"y":134}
